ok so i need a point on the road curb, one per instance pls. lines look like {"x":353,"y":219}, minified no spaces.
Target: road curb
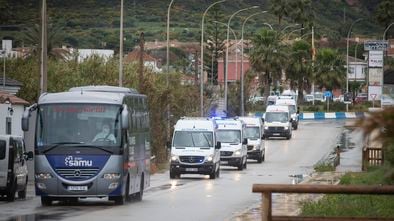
{"x":331,"y":115}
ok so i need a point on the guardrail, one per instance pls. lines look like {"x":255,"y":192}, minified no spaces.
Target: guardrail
{"x":266,"y":191}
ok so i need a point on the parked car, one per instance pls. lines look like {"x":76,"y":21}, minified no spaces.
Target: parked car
{"x":340,"y":98}
{"x":360,"y":98}
{"x":387,"y":100}
{"x":308,"y":98}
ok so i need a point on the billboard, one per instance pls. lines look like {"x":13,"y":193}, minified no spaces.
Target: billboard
{"x":375,"y":59}
{"x":375,"y":76}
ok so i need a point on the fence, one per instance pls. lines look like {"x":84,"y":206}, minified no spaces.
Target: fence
{"x":372,"y":156}
{"x":266,"y":191}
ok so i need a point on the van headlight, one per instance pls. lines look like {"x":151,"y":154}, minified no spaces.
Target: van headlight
{"x":237,"y":153}
{"x":174,"y":158}
{"x":111,"y":176}
{"x":210,"y":158}
{"x":266,"y":127}
{"x":286,"y":128}
{"x":43,"y":176}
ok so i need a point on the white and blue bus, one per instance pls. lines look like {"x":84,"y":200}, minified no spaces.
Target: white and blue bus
{"x":91,"y":141}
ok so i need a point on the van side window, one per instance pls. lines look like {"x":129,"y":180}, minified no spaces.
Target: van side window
{"x":2,"y":149}
{"x":8,"y":125}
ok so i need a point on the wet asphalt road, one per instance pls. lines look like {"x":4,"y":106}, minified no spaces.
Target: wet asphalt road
{"x":195,"y":197}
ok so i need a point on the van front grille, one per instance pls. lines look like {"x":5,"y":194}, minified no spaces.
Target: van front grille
{"x":191,"y":159}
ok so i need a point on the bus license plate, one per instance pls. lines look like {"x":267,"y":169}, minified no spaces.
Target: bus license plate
{"x":77,"y":188}
{"x":191,"y":169}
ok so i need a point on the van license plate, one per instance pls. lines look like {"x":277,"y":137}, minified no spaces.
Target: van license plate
{"x":276,"y":134}
{"x":77,"y":188}
{"x":191,"y":169}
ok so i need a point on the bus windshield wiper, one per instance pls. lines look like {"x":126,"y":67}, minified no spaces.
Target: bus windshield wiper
{"x":54,"y":145}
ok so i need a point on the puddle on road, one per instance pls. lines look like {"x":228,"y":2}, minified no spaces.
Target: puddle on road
{"x":165,"y":187}
{"x":36,"y":217}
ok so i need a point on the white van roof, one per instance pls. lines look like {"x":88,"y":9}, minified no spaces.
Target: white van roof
{"x":251,"y":121}
{"x":229,"y":124}
{"x":198,"y":124}
{"x":277,"y":108}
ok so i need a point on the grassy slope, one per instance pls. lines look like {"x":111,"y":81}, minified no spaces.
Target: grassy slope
{"x":92,"y":22}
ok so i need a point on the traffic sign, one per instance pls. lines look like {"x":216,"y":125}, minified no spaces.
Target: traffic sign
{"x":327,"y":94}
{"x":376,"y":45}
{"x":373,"y":96}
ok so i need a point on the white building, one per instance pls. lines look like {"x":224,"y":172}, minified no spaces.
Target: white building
{"x":11,"y":111}
{"x":358,"y":69}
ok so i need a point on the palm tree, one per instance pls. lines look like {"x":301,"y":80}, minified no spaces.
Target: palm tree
{"x":280,"y":8}
{"x":329,"y":69}
{"x":32,"y":37}
{"x":302,"y":13}
{"x":299,"y":68}
{"x":267,"y":57}
{"x":384,"y":13}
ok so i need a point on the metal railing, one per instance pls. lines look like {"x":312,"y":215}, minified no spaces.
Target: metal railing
{"x":266,"y":191}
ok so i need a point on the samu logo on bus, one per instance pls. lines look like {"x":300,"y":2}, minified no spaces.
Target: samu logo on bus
{"x":77,"y":162}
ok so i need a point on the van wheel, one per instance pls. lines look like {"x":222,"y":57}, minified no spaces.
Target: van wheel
{"x":11,"y":193}
{"x":288,"y":137}
{"x":245,"y":164}
{"x":212,"y":175}
{"x":46,"y":201}
{"x":139,"y":195}
{"x":260,"y":159}
{"x":295,"y":127}
{"x":218,"y":173}
{"x":128,"y":197}
{"x":241,"y":165}
{"x":173,"y":175}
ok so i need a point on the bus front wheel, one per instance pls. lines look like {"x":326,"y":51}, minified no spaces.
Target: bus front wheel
{"x":46,"y":201}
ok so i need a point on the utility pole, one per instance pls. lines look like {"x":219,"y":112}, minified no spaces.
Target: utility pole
{"x":121,"y":46}
{"x":313,"y":63}
{"x":196,"y":68}
{"x":43,"y":59}
{"x":141,"y":63}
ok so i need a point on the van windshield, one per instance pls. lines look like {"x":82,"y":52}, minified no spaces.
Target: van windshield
{"x":252,"y":133}
{"x":276,"y":117}
{"x":193,"y":139}
{"x":229,"y":136}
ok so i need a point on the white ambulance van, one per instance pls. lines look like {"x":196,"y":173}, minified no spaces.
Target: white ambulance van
{"x":231,"y":136}
{"x":13,"y":167}
{"x":254,"y":133}
{"x":294,"y":113}
{"x":277,"y":122}
{"x":194,"y":148}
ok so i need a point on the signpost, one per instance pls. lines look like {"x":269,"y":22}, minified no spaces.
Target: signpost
{"x":373,"y":96}
{"x":376,"y":45}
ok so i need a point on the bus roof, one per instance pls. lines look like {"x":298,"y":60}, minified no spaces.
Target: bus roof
{"x":89,"y":94}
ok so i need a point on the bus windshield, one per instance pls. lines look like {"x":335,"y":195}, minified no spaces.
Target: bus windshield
{"x":229,"y":136}
{"x":193,"y":139}
{"x":87,"y":124}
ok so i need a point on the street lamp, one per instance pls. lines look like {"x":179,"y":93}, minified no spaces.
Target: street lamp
{"x":242,"y":58}
{"x":347,"y":59}
{"x":121,"y":46}
{"x":288,"y":35}
{"x":168,"y":40}
{"x":269,"y":25}
{"x":228,"y":36}
{"x":236,"y":40}
{"x":2,"y":52}
{"x":289,"y":26}
{"x":202,"y":58}
{"x":384,"y":33}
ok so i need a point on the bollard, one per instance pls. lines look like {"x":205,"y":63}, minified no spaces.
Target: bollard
{"x":266,"y":209}
{"x":338,"y":160}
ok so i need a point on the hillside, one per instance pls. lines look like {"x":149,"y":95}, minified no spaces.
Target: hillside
{"x":95,"y":23}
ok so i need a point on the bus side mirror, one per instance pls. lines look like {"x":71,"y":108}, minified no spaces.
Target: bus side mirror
{"x":245,"y":141}
{"x":218,"y":145}
{"x":125,"y":117}
{"x":25,"y":120}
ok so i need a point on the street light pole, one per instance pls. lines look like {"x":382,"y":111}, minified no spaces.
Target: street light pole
{"x":227,"y":46}
{"x":289,"y":26}
{"x":288,"y":35}
{"x":43,"y":62}
{"x":202,"y":58}
{"x":3,"y":52}
{"x":347,"y":59}
{"x":269,"y":25}
{"x":242,"y":59}
{"x":385,"y":31}
{"x":121,"y":46}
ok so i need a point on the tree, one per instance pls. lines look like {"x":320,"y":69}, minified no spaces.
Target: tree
{"x":267,"y":57}
{"x":280,"y":8}
{"x":216,"y":34}
{"x":302,"y":13}
{"x":384,"y":13}
{"x":299,"y":67}
{"x":329,"y":69}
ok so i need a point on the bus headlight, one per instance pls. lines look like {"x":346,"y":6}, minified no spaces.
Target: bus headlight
{"x":111,"y":176}
{"x":43,"y":176}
